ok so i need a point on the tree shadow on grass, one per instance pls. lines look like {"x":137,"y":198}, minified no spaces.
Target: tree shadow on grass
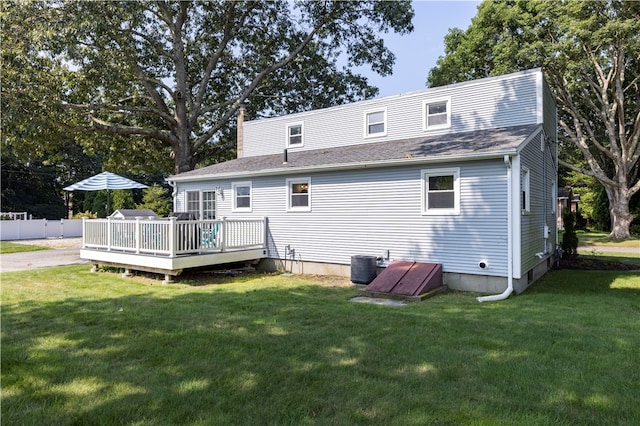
{"x":297,"y":354}
{"x":595,"y":282}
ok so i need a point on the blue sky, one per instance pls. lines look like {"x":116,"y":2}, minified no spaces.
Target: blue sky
{"x":417,"y":52}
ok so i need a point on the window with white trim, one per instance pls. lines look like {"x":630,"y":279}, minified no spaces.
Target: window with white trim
{"x":193,"y":203}
{"x":208,"y":205}
{"x":241,"y":196}
{"x":525,"y":197}
{"x":441,"y":195}
{"x":437,"y":114}
{"x":375,"y":123}
{"x":294,"y":135}
{"x":299,"y":194}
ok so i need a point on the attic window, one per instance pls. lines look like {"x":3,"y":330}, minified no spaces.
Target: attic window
{"x":437,"y":114}
{"x":375,"y":123}
{"x":441,"y":195}
{"x":294,"y":135}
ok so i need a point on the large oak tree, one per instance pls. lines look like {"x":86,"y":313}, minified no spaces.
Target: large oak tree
{"x":590,"y":54}
{"x":171,"y":76}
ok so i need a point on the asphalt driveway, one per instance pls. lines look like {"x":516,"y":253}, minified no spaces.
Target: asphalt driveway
{"x":64,"y":252}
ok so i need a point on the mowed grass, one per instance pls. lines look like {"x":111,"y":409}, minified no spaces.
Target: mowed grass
{"x":81,"y":348}
{"x":598,"y":238}
{"x":11,"y":247}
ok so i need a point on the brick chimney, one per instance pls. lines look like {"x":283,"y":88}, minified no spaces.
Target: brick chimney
{"x":239,"y":144}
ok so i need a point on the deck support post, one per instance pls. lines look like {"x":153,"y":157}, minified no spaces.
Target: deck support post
{"x":168,"y":279}
{"x":94,"y":267}
{"x":127,"y":273}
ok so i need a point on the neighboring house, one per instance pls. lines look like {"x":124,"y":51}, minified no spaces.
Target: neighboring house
{"x":133,"y":213}
{"x":462,"y":175}
{"x":566,"y":200}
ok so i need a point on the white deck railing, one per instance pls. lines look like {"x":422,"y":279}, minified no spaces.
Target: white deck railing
{"x":171,"y":237}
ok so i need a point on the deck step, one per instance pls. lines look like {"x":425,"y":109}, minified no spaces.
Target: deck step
{"x":407,"y":279}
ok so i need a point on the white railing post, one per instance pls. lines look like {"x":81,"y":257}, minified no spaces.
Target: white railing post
{"x":84,"y":232}
{"x":223,"y":234}
{"x":264,"y":232}
{"x":172,"y":236}
{"x":137,"y":235}
{"x":109,"y":231}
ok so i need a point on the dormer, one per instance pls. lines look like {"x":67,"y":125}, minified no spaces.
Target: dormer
{"x":489,"y":103}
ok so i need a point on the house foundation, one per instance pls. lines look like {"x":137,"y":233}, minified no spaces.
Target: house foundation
{"x":452,"y":280}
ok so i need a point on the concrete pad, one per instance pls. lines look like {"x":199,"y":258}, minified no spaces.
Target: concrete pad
{"x":377,"y":301}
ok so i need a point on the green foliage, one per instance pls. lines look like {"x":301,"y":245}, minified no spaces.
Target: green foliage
{"x":166,"y":79}
{"x":589,"y":53}
{"x":569,"y":237}
{"x":157,"y":199}
{"x":86,"y":213}
{"x":31,"y":188}
{"x":121,"y":199}
{"x":601,"y":216}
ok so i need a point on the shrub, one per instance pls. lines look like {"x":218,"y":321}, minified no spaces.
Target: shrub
{"x":569,"y":237}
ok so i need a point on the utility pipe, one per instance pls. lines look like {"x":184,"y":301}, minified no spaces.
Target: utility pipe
{"x":509,"y":290}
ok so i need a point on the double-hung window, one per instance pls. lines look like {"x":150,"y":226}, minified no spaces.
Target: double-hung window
{"x":437,"y":114}
{"x":525,"y":196}
{"x":299,"y":194}
{"x":375,"y":123}
{"x":441,"y":195}
{"x":241,"y":196}
{"x":294,"y":135}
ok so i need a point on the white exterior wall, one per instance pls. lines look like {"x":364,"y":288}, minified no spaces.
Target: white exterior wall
{"x":365,"y":212}
{"x":495,"y":102}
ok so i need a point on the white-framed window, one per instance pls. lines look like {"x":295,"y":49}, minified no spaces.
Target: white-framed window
{"x":375,"y":123}
{"x":299,"y":194}
{"x":202,"y":204}
{"x":525,"y":196}
{"x":441,"y":191}
{"x":437,"y":114}
{"x":208,"y":205}
{"x":241,"y":196}
{"x":193,"y":203}
{"x":295,"y":132}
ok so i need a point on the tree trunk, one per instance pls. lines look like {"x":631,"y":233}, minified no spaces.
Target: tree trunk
{"x":620,"y":216}
{"x":183,"y":150}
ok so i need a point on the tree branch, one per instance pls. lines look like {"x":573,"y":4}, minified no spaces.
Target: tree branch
{"x":213,"y":61}
{"x":256,"y":81}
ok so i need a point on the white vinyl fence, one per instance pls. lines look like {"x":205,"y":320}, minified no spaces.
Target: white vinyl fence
{"x":36,"y":229}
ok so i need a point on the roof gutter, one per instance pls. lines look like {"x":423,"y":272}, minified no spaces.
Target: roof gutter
{"x":509,"y":289}
{"x":345,"y":166}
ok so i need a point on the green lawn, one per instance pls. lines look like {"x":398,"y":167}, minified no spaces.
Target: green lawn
{"x":81,"y":348}
{"x":11,"y":247}
{"x":597,"y":238}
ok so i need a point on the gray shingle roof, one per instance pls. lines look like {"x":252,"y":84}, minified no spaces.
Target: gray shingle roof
{"x":455,"y":146}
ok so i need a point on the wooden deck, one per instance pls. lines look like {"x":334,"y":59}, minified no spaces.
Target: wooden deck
{"x":169,"y":246}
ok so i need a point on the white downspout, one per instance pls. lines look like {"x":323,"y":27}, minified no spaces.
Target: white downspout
{"x":173,"y":193}
{"x":509,"y":289}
